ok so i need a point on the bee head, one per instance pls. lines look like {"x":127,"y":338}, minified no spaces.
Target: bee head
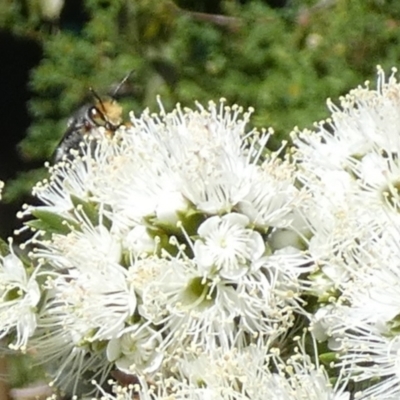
{"x":105,"y":112}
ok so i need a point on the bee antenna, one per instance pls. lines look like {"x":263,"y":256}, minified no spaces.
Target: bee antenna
{"x":97,"y":97}
{"x":117,"y":89}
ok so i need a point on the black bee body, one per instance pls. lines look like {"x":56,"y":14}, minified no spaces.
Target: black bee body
{"x":103,"y":113}
{"x":86,"y":121}
{"x":77,"y":127}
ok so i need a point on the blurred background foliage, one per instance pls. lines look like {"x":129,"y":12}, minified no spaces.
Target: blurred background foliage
{"x":282,"y":57}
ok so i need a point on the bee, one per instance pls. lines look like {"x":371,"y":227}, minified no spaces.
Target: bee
{"x":102,"y":112}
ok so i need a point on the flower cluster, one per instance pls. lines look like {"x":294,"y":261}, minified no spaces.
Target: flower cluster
{"x":19,"y":294}
{"x":251,"y":373}
{"x":351,"y":165}
{"x":185,"y":260}
{"x":161,"y":250}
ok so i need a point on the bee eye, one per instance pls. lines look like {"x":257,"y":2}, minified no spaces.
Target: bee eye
{"x":96,"y":116}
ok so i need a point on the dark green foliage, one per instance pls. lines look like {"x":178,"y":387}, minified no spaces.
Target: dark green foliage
{"x":284,"y":62}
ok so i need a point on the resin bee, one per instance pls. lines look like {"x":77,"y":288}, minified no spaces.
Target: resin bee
{"x":106,"y":113}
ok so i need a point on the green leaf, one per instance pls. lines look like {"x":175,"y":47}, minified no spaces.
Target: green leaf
{"x":394,"y":325}
{"x":90,"y":209}
{"x":191,"y":221}
{"x":51,"y":222}
{"x":328,"y":358}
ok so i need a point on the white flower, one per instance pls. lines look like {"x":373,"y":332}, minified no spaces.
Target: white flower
{"x":212,"y":312}
{"x":306,"y":382}
{"x":232,"y":374}
{"x":321,"y":323}
{"x":379,"y":178}
{"x":205,"y":150}
{"x":92,"y":247}
{"x":363,"y":325}
{"x":373,"y":358}
{"x":136,"y":351}
{"x":188,"y":307}
{"x":271,"y":294}
{"x":350,"y":165}
{"x":139,"y":242}
{"x":19,"y":296}
{"x":67,"y":362}
{"x":170,"y":206}
{"x":226,"y":246}
{"x":83,"y":310}
{"x":293,"y":236}
{"x":272,"y":196}
{"x":366,"y":120}
{"x":75,"y":177}
{"x":88,"y":301}
{"x":246,"y":374}
{"x":301,"y":376}
{"x":94,"y":305}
